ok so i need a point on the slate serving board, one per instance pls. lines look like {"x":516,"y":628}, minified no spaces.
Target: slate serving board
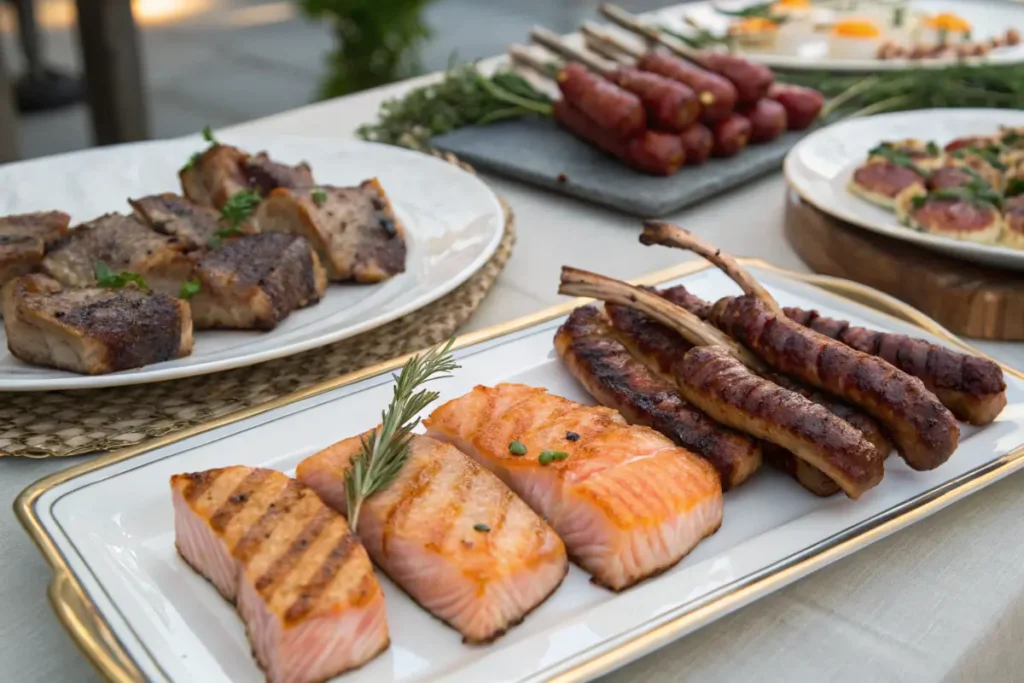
{"x":537,"y":151}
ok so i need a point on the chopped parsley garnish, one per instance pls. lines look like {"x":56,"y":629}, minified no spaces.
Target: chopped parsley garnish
{"x":481,"y":527}
{"x":105,"y":277}
{"x":895,"y":156}
{"x":208,"y":136}
{"x":1012,"y":139}
{"x":236,"y":210}
{"x":932,"y":148}
{"x":318,"y":196}
{"x":548,"y":456}
{"x":189,"y":289}
{"x":517,"y":448}
{"x":989,"y":154}
{"x":973,"y":193}
{"x":1014,"y":187}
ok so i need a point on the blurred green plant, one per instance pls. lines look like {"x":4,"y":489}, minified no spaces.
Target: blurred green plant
{"x":377,"y":41}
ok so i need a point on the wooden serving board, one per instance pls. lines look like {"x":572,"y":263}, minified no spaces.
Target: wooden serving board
{"x":967,"y":299}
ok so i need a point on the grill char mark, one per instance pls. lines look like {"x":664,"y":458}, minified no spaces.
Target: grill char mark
{"x":249,"y":545}
{"x":289,"y":560}
{"x":238,"y":499}
{"x":312,"y":591}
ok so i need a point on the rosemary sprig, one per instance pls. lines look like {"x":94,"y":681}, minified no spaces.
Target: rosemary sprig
{"x":385,"y":450}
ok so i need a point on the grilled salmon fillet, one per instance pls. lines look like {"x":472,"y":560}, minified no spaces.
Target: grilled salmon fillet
{"x":255,"y":282}
{"x":589,"y":348}
{"x":92,"y":330}
{"x":123,"y":243}
{"x":451,"y":535}
{"x":301,"y":581}
{"x":627,"y":502}
{"x":24,"y":239}
{"x":353,"y":229}
{"x":195,"y":226}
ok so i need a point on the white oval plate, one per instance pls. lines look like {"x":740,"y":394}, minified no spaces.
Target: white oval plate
{"x":820,"y":166}
{"x":454,"y":224}
{"x":988,"y":18}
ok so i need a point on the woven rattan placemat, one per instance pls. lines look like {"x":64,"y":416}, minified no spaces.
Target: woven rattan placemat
{"x":63,"y":423}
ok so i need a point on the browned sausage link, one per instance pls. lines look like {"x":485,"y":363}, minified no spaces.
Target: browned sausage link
{"x":803,"y":105}
{"x":660,"y":348}
{"x":721,"y":386}
{"x":615,"y":110}
{"x":866,"y":425}
{"x":751,"y":80}
{"x":731,"y":135}
{"x":716,"y":94}
{"x":972,"y":388}
{"x":671,"y":106}
{"x":924,"y":431}
{"x":767,"y":120}
{"x":697,"y":143}
{"x":604,"y":366}
{"x":651,"y":152}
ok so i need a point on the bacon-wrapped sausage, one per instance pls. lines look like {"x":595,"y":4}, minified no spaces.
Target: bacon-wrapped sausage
{"x":767,"y":120}
{"x":716,"y":94}
{"x":752,"y":81}
{"x":698,"y":142}
{"x":731,"y":135}
{"x":803,"y":105}
{"x":671,"y":106}
{"x":619,"y":112}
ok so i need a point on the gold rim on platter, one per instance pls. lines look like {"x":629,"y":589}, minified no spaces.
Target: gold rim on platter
{"x":94,"y":637}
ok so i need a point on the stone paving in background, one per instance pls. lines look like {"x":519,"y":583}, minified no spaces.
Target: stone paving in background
{"x":243,"y":60}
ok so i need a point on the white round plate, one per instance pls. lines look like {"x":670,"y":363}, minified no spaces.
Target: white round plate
{"x":819,"y":167}
{"x":988,"y":18}
{"x":453,"y":221}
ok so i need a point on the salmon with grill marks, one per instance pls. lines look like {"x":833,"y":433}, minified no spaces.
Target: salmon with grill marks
{"x":627,"y":502}
{"x":451,"y":534}
{"x":301,"y":581}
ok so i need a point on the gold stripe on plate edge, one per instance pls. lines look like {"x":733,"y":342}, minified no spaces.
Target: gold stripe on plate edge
{"x":91,"y":633}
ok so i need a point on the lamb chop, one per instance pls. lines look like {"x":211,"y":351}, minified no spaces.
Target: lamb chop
{"x":265,"y":175}
{"x":256,"y":281}
{"x":222,"y":171}
{"x":93,"y":330}
{"x":25,"y":238}
{"x":353,"y":229}
{"x":122,"y":243}
{"x":173,"y":215}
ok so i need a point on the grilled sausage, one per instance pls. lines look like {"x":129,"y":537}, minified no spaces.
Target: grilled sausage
{"x":671,"y":106}
{"x":615,"y":110}
{"x":711,"y":379}
{"x":767,"y":120}
{"x":651,"y":152}
{"x":923,"y":429}
{"x":697,"y":142}
{"x":603,"y":365}
{"x":972,"y":388}
{"x":731,"y":135}
{"x":751,"y":80}
{"x":716,"y":94}
{"x":803,"y":105}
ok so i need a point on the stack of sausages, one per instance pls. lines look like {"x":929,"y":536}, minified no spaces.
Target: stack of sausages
{"x":663,"y":113}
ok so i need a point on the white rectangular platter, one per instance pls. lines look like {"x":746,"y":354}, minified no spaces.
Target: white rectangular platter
{"x":141,"y":613}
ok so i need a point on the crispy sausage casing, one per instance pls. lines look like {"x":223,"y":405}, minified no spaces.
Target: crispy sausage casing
{"x":717,"y":95}
{"x":972,"y":388}
{"x":729,"y":392}
{"x":588,"y":347}
{"x":617,"y":111}
{"x":671,"y":106}
{"x":924,"y":430}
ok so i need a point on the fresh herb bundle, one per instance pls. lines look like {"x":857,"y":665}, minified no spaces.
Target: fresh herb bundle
{"x":464,"y":97}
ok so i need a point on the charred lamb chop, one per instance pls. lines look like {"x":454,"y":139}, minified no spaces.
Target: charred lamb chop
{"x":25,"y":238}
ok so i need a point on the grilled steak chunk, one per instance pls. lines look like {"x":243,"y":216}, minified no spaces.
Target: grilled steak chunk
{"x":301,"y":581}
{"x":123,"y":243}
{"x":169,"y":214}
{"x":94,"y":330}
{"x":353,"y":229}
{"x":214,"y":176}
{"x":256,"y":281}
{"x":25,"y":238}
{"x":265,"y":175}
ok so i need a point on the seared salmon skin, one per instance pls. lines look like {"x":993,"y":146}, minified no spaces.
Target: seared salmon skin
{"x":301,"y":581}
{"x":627,"y":502}
{"x":451,"y":535}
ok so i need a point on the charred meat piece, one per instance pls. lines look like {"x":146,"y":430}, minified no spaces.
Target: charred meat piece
{"x":123,"y":243}
{"x":94,"y":330}
{"x":195,"y":226}
{"x":972,"y":388}
{"x":300,"y":580}
{"x":215,"y":175}
{"x":588,"y":346}
{"x":264,"y":175}
{"x":255,"y":281}
{"x":25,"y":238}
{"x":628,"y":502}
{"x":451,"y":535}
{"x":353,"y":229}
